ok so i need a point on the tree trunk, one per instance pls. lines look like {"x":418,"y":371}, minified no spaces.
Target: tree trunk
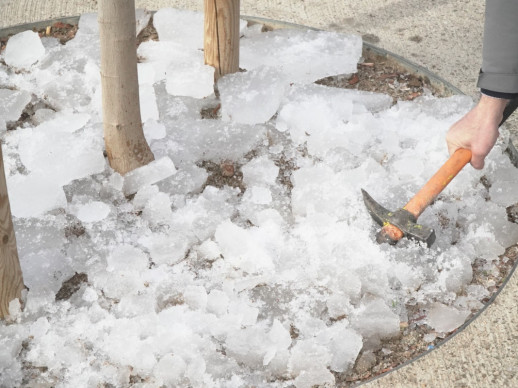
{"x":11,"y":280}
{"x":126,"y":145}
{"x":221,"y":39}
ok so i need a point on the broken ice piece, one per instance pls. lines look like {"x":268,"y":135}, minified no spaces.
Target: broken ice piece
{"x":147,"y":175}
{"x":23,"y":50}
{"x":92,"y":212}
{"x":444,"y":319}
{"x":12,"y":103}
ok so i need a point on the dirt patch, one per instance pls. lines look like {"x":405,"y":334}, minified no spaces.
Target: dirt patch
{"x":71,"y":286}
{"x":376,"y":73}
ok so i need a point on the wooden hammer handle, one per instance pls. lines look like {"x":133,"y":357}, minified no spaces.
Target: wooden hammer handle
{"x":438,"y":182}
{"x":431,"y":190}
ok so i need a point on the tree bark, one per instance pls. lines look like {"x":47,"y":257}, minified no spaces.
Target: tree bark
{"x":221,"y":38}
{"x":126,"y":145}
{"x":11,"y":280}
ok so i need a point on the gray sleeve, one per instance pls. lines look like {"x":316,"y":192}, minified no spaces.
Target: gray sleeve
{"x":500,"y":51}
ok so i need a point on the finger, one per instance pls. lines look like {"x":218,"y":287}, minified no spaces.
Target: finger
{"x":477,"y":162}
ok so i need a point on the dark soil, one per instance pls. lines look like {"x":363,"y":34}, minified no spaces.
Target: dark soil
{"x":379,"y":74}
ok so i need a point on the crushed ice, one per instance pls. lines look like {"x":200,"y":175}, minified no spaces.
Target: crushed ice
{"x":197,"y":285}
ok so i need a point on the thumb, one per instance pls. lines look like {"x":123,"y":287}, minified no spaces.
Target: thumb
{"x":452,"y":148}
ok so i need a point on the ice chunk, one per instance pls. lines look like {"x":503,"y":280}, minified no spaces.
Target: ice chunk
{"x":457,"y":273}
{"x":320,"y":377}
{"x":12,"y":103}
{"x":196,"y":370}
{"x":444,"y":319}
{"x":195,"y":297}
{"x":200,"y":216}
{"x":23,"y":50}
{"x":40,"y":327}
{"x":92,"y":212}
{"x":374,"y":102}
{"x":322,"y":122}
{"x":181,"y":26}
{"x":345,"y":345}
{"x":243,"y":314}
{"x":144,"y":195}
{"x":504,"y":187}
{"x":407,"y":168}
{"x":375,"y":321}
{"x":53,"y":149}
{"x":258,"y":195}
{"x":482,"y":239}
{"x":154,"y":130}
{"x":260,"y":171}
{"x":148,"y":106}
{"x":242,"y":248}
{"x":318,"y":189}
{"x":321,"y":53}
{"x":217,"y":302}
{"x":164,"y":57}
{"x":42,"y":115}
{"x":157,"y":209}
{"x":209,"y":250}
{"x":166,"y":248}
{"x":338,"y":305}
{"x":88,"y":24}
{"x":251,"y":97}
{"x":148,"y":175}
{"x":118,"y":284}
{"x":146,"y":73}
{"x":308,"y":355}
{"x":34,"y":194}
{"x":211,"y":140}
{"x":127,"y":258}
{"x":256,"y":347}
{"x":45,"y":270}
{"x":90,"y":295}
{"x":193,"y":79}
{"x":170,"y":370}
{"x":189,"y":178}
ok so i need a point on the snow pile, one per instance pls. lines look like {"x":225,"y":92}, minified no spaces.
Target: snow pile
{"x":274,"y":280}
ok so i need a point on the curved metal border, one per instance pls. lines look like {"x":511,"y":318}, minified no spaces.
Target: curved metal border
{"x":435,"y":80}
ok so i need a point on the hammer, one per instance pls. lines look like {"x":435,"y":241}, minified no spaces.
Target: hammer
{"x":403,"y":222}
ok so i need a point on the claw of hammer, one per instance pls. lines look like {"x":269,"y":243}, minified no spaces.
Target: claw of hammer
{"x":402,"y":219}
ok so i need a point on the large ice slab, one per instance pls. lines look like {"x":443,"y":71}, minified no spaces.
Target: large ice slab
{"x":251,"y":97}
{"x":303,"y":56}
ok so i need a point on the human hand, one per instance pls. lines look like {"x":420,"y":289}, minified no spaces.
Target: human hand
{"x":477,"y":130}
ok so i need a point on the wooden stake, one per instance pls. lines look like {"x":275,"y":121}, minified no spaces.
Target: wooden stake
{"x":221,"y":39}
{"x":126,"y":145}
{"x":11,"y":280}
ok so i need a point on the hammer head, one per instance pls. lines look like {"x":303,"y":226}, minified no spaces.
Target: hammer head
{"x":401,"y":218}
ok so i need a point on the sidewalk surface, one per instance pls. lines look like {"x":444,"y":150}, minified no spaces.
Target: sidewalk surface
{"x":441,"y":35}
